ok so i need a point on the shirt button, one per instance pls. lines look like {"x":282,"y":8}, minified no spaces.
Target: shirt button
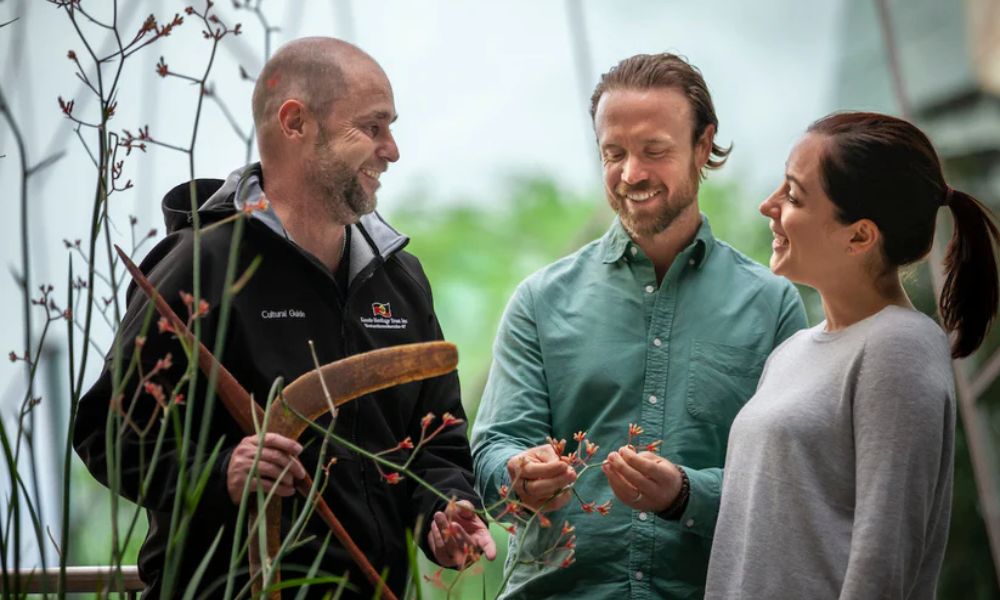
{"x":657,"y":342}
{"x":633,"y":250}
{"x":652,"y":399}
{"x":638,"y":575}
{"x":690,"y":523}
{"x":691,"y":262}
{"x":643,"y":516}
{"x":650,"y":289}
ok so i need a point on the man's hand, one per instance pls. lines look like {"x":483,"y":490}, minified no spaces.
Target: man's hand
{"x":537,"y":474}
{"x":277,"y":453}
{"x":643,"y":481}
{"x":456,"y":530}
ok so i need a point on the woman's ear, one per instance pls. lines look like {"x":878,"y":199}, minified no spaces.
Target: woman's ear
{"x":864,"y":236}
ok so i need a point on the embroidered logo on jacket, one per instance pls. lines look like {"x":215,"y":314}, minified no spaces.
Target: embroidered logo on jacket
{"x":382,"y":318}
{"x":381,"y":310}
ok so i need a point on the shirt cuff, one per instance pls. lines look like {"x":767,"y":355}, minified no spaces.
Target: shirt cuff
{"x":703,"y":504}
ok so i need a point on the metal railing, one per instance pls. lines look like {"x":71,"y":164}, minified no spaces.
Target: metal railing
{"x":78,"y":580}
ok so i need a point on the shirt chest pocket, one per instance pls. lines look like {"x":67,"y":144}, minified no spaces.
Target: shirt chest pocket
{"x":721,"y":379}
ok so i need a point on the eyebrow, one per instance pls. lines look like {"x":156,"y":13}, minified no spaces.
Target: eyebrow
{"x":382,"y":115}
{"x":664,"y":141}
{"x":796,"y":182}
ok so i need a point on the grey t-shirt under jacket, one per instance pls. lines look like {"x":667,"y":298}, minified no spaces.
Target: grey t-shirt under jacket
{"x":839,"y":469}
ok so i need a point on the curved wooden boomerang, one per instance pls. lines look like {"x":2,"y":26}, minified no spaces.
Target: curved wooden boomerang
{"x":345,"y":380}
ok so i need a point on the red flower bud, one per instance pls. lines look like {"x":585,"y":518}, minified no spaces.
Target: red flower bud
{"x":164,"y":325}
{"x":188,"y":299}
{"x":449,"y":419}
{"x":164,"y":363}
{"x":154,"y":390}
{"x":67,"y":107}
{"x":425,"y":422}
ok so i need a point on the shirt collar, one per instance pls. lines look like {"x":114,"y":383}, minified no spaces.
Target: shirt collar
{"x":616,"y":242}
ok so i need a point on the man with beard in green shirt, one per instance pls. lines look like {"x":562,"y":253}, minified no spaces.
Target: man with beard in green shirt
{"x":657,"y":328}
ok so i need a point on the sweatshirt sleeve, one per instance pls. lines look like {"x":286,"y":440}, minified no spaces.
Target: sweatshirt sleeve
{"x":903,"y":416}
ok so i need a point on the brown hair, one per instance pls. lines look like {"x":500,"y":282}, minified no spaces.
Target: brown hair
{"x":665,"y":70}
{"x":884,"y":169}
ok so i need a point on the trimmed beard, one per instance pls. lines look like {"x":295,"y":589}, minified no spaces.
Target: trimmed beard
{"x":345,"y":198}
{"x":676,"y":203}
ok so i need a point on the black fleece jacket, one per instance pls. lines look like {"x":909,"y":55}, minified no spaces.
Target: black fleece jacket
{"x":290,"y":299}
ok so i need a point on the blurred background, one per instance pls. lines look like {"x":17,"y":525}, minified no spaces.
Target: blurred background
{"x":498,"y":172}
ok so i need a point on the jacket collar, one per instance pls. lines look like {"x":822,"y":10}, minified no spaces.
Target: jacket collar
{"x":373,"y":240}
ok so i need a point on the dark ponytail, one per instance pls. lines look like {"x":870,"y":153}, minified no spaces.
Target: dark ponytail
{"x":969,"y":298}
{"x":884,"y":169}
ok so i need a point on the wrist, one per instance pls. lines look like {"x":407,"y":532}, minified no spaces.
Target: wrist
{"x":677,"y":507}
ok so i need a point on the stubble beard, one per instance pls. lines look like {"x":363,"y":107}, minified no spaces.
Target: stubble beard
{"x":344,"y":198}
{"x":677,"y":202}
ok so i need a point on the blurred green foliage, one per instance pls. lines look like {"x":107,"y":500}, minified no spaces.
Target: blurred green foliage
{"x":476,"y":255}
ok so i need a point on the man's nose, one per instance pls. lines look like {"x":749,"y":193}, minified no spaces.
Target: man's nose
{"x":633,"y":171}
{"x":388,"y":150}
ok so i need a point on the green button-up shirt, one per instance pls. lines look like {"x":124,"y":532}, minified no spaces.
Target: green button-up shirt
{"x":592,"y":343}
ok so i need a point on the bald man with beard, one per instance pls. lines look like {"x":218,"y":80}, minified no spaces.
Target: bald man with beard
{"x":331,"y":270}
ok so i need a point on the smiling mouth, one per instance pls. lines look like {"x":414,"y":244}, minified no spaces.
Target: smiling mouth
{"x":780,"y":241}
{"x":371,"y":174}
{"x":640,"y":196}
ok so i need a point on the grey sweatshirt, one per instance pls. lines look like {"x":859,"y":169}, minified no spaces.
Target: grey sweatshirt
{"x":839,"y":469}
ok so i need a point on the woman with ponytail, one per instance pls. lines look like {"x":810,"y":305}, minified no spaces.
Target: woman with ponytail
{"x":839,"y":469}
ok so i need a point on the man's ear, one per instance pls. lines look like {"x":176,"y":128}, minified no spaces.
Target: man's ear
{"x":703,"y":147}
{"x":292,"y":116}
{"x":865,"y":236}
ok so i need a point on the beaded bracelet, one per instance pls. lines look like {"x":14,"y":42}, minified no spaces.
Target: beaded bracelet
{"x":676,"y":508}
